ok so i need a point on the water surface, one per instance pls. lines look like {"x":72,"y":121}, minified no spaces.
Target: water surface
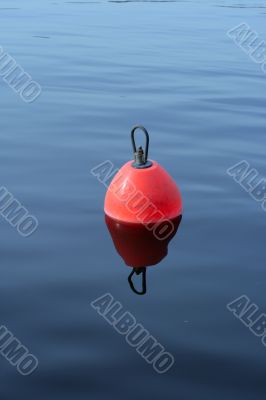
{"x":105,"y":66}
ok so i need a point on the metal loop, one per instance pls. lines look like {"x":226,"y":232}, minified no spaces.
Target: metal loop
{"x":138,"y":271}
{"x":146,"y":144}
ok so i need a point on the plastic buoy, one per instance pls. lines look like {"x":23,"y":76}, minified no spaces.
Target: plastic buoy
{"x":142,"y":191}
{"x":143,"y":208}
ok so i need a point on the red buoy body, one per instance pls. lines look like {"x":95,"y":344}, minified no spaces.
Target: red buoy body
{"x":147,"y":195}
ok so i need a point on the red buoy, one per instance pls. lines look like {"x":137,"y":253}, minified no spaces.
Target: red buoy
{"x":142,"y":191}
{"x":143,"y":208}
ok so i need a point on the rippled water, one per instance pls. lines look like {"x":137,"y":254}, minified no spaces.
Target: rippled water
{"x":103,"y":67}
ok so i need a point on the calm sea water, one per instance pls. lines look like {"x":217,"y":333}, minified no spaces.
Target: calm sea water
{"x":103,"y":67}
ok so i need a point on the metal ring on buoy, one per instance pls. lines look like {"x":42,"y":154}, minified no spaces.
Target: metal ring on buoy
{"x":141,"y":158}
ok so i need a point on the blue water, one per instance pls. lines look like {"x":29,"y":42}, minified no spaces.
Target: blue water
{"x":103,"y":67}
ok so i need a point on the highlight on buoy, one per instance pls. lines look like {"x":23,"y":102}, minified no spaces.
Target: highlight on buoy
{"x":142,"y":198}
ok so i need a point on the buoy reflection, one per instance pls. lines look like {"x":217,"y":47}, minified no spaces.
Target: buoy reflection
{"x":138,"y":246}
